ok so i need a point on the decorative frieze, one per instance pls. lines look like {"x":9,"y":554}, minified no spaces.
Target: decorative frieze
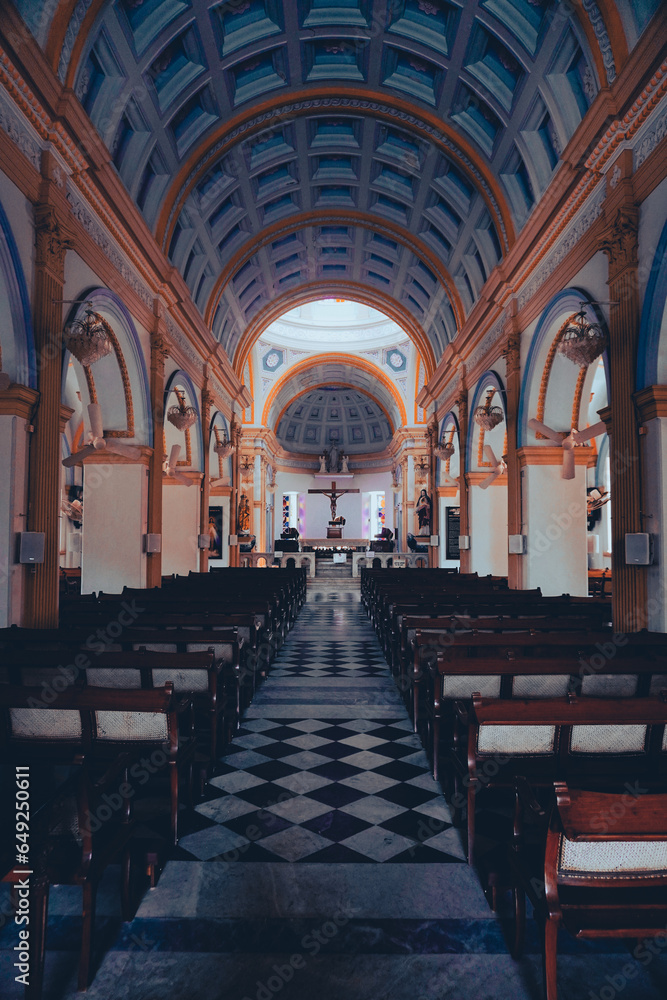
{"x":84,"y":216}
{"x":580,"y":225}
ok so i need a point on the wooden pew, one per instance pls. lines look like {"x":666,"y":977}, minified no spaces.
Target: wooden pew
{"x":100,"y":724}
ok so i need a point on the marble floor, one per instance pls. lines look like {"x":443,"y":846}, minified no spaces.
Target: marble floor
{"x":321,"y":862}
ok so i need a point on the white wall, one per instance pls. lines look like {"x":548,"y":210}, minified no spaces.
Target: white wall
{"x":655,"y":504}
{"x":555,"y":525}
{"x":488,"y":530}
{"x":115,"y":505}
{"x":13,"y":505}
{"x":318,"y":508}
{"x":180,"y":529}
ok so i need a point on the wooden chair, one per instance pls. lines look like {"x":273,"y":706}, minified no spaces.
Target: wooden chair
{"x":603,"y":872}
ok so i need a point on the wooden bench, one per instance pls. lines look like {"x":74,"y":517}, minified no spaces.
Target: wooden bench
{"x":100,"y":724}
{"x":600,"y":743}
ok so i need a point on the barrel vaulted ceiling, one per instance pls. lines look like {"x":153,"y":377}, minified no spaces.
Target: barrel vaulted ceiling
{"x":395,"y":147}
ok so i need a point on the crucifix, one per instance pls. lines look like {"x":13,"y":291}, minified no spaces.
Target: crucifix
{"x":333,"y":495}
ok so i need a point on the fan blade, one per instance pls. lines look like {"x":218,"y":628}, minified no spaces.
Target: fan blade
{"x":173,"y":456}
{"x":450,"y":479}
{"x":95,"y":420}
{"x":567,"y":470}
{"x":180,"y":478}
{"x":485,"y":483}
{"x":219,"y":482}
{"x":127,"y":450}
{"x":538,"y":426}
{"x":490,"y":457}
{"x":78,"y":456}
{"x":591,"y":432}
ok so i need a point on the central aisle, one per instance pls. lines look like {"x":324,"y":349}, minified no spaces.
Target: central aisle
{"x":322,"y":864}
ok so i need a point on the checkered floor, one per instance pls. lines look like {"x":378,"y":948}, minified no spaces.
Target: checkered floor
{"x":344,"y":781}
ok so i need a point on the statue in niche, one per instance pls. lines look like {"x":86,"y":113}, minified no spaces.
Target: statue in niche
{"x":423,"y":512}
{"x":344,"y":461}
{"x":244,"y":515}
{"x":323,"y":462}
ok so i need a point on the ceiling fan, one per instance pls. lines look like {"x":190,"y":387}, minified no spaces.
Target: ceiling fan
{"x":568,"y":442}
{"x":96,"y":441}
{"x":169,"y":467}
{"x":499,"y":467}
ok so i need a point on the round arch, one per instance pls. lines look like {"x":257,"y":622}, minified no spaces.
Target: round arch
{"x":355,"y":292}
{"x":181,"y":379}
{"x":360,"y":220}
{"x":652,"y":348}
{"x":17,"y":345}
{"x":124,"y":370}
{"x":533,"y":384}
{"x":450,"y":422}
{"x":427,"y":125}
{"x":349,"y":359}
{"x":486,"y":380}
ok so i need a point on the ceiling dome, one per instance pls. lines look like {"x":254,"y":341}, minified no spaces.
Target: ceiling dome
{"x":349,"y":418}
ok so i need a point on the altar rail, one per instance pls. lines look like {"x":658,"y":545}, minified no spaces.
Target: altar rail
{"x":360,"y":560}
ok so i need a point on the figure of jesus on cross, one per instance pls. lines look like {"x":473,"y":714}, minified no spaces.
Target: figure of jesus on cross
{"x":333,"y":495}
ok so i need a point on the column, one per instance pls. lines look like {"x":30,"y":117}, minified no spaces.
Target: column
{"x":234,"y":496}
{"x":620,"y":246}
{"x":159,"y":353}
{"x":52,"y":243}
{"x":513,"y":389}
{"x":432,"y":439}
{"x":206,"y":403}
{"x":462,"y":407}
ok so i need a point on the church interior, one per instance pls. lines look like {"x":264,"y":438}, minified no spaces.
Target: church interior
{"x":333,"y":356}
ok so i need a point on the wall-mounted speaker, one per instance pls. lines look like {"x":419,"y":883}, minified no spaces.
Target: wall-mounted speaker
{"x":204,"y":541}
{"x":638,"y":549}
{"x":464,"y":542}
{"x":31,"y":547}
{"x":516,"y":545}
{"x":152,"y":543}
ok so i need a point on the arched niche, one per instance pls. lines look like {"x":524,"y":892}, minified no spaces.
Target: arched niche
{"x":489,"y":388}
{"x":17,"y":345}
{"x":118,"y":382}
{"x":487,"y":506}
{"x":449,"y":434}
{"x":180,"y":386}
{"x":554,"y":390}
{"x":219,"y":468}
{"x":652,"y":349}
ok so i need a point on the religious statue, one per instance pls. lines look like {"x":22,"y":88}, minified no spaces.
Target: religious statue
{"x":323,"y":462}
{"x":334,"y":457}
{"x":344,"y":461}
{"x":423,"y":511}
{"x":244,"y":515}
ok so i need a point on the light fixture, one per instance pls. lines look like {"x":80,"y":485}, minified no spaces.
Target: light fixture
{"x":582,"y":342}
{"x":488,"y":416}
{"x":444,"y":451}
{"x":181,"y":415}
{"x":596,"y":499}
{"x":223,"y":446}
{"x":88,"y":339}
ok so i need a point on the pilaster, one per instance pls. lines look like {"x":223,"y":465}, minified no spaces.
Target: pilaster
{"x":51,"y":244}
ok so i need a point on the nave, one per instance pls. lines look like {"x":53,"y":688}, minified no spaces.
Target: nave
{"x":322,"y":861}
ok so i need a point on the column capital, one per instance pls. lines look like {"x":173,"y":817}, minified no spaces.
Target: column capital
{"x":159,"y":349}
{"x":620,"y":241}
{"x":52,"y":240}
